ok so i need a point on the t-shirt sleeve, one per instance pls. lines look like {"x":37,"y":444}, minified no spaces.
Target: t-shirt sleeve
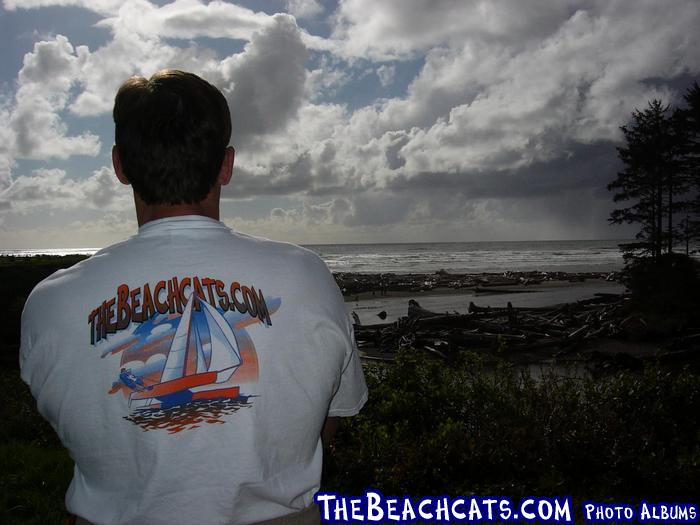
{"x":351,"y":394}
{"x":37,"y":368}
{"x":334,"y":333}
{"x":30,"y":364}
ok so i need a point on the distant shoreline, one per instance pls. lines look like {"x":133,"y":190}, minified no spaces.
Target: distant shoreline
{"x":371,"y":293}
{"x":81,"y":251}
{"x":453,"y":257}
{"x":409,"y":259}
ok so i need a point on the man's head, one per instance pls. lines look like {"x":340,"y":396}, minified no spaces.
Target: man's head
{"x":171,"y":133}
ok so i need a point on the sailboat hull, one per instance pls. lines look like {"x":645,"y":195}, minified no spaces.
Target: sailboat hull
{"x":175,"y":385}
{"x":176,"y":398}
{"x":217,"y":393}
{"x":177,"y":391}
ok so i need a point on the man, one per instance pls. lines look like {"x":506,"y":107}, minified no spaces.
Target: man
{"x":189,"y":370}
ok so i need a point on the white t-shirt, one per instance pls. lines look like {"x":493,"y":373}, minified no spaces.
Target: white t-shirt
{"x":189,"y":371}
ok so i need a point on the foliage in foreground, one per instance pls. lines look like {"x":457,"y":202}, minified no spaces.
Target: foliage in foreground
{"x":34,"y":468}
{"x":430,"y":428}
{"x":668,"y":284}
{"x":434,"y":429}
{"x":18,"y":275}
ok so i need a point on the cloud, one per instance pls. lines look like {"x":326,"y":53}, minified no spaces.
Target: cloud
{"x":386,"y":74}
{"x":511,"y":105}
{"x":118,"y":339}
{"x":48,"y":189}
{"x":334,"y":211}
{"x":102,"y":190}
{"x":398,"y":29}
{"x":487,"y":103}
{"x":155,"y":363}
{"x":139,"y":46}
{"x":299,"y":159}
{"x":187,"y":19}
{"x":65,"y":228}
{"x":264,"y":84}
{"x":159,"y":331}
{"x":133,"y":50}
{"x":586,"y":166}
{"x":327,"y":78}
{"x":304,"y":8}
{"x":98,"y":6}
{"x":7,"y":160}
{"x":32,"y":123}
{"x":104,"y":229}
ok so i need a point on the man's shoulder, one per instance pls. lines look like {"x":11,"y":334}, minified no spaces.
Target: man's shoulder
{"x":296,"y":264}
{"x":72,"y":276}
{"x":269,"y":244}
{"x":60,"y":277}
{"x":284,"y":252}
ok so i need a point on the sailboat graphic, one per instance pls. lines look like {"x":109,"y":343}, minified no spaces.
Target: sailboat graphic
{"x":187,"y":376}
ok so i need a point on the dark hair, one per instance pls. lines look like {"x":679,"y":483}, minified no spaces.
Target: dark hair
{"x":171,"y":133}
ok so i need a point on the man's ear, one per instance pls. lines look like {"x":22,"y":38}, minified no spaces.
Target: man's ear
{"x":117,"y":163}
{"x":226,"y":166}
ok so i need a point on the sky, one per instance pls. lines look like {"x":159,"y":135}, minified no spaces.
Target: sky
{"x":354,"y":121}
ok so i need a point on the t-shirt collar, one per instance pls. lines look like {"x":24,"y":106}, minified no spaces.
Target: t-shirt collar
{"x":180,"y":222}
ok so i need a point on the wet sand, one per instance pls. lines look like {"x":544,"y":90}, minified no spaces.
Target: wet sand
{"x":368,"y":304}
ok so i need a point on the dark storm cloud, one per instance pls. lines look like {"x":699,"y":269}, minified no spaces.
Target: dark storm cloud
{"x":265,"y":84}
{"x":280,"y":179}
{"x":583,"y":166}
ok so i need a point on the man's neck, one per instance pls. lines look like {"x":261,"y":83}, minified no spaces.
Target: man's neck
{"x":151,"y":212}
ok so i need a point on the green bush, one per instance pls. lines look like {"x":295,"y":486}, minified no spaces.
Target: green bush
{"x":434,"y":428}
{"x":429,"y":428}
{"x":34,"y":468}
{"x":668,"y":284}
{"x":18,"y":276}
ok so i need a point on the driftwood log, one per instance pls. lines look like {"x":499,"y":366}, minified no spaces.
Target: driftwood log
{"x":382,"y":283}
{"x":509,"y":330}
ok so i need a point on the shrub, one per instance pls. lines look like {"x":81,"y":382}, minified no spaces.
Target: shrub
{"x":429,"y":428}
{"x":670,"y":283}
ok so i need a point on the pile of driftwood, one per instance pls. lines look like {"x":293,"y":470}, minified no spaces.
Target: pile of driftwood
{"x":543,"y":331}
{"x":380,"y":283}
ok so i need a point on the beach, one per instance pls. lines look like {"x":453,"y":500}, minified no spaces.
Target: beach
{"x":385,"y":277}
{"x":446,"y":277}
{"x":368,"y":304}
{"x":379,"y":302}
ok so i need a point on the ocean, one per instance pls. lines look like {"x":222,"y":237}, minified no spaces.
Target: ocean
{"x":473,"y":257}
{"x":454,"y":257}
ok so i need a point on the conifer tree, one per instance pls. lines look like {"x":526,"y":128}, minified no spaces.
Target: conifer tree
{"x":689,"y":119}
{"x":652,"y":179}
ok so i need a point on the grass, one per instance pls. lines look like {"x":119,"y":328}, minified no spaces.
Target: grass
{"x":36,"y":469}
{"x":34,"y":483}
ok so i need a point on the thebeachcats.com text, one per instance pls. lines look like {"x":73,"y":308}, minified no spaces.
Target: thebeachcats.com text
{"x":374,"y":507}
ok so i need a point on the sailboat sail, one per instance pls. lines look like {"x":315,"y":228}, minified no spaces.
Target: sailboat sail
{"x":175,"y":363}
{"x":225,"y":356}
{"x":201,"y":363}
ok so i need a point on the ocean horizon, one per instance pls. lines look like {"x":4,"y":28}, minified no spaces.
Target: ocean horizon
{"x":601,"y":255}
